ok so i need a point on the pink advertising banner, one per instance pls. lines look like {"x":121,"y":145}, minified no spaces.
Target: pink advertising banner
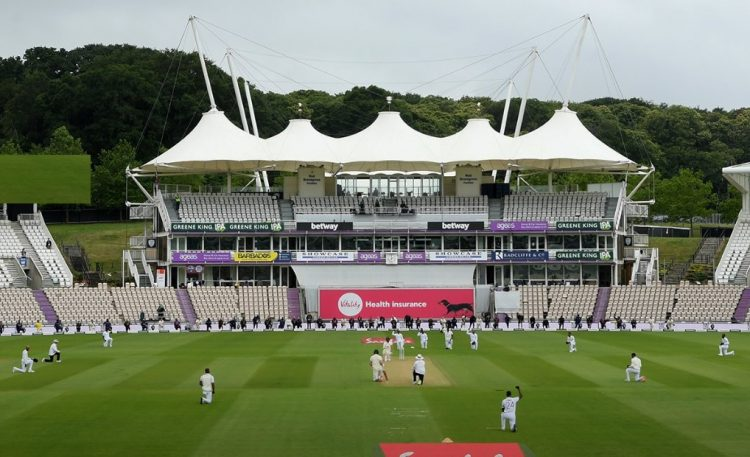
{"x":423,"y":303}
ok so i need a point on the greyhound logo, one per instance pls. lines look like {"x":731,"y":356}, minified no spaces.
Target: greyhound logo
{"x":350,"y":304}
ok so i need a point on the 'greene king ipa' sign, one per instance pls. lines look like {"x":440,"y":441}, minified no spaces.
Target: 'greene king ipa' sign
{"x":389,"y":302}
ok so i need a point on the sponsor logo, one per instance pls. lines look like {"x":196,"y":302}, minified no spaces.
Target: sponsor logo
{"x":521,"y":255}
{"x":454,"y":226}
{"x":457,"y":226}
{"x":187,"y":257}
{"x":584,"y":255}
{"x":220,"y":227}
{"x":324,"y":226}
{"x":603,"y":226}
{"x":255,"y":256}
{"x":350,"y":304}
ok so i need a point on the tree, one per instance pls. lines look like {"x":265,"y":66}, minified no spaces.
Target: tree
{"x":108,"y":178}
{"x":685,"y":195}
{"x":10,"y":147}
{"x":63,"y":143}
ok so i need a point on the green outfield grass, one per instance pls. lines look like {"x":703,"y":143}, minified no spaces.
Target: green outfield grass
{"x":310,"y":394}
{"x":103,"y":242}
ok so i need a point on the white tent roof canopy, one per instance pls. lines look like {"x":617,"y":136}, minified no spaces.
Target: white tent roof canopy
{"x":564,"y":144}
{"x":217,"y":146}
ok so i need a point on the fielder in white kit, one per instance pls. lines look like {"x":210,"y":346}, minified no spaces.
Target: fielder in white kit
{"x":423,"y":338}
{"x":208,"y":387}
{"x":571,"y":342}
{"x":724,"y":346}
{"x":509,"y":406}
{"x":27,"y":363}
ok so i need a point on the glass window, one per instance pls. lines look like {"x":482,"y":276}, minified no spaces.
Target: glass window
{"x":588,"y":241}
{"x":194,"y":243}
{"x":555,"y":241}
{"x":314,"y":243}
{"x":468,"y":243}
{"x":330,"y":243}
{"x":450,"y":243}
{"x":228,"y":244}
{"x":262,"y":243}
{"x":572,"y":273}
{"x":572,"y":242}
{"x":364,"y":244}
{"x":536,"y":272}
{"x":520,"y":242}
{"x":520,"y":274}
{"x":211,"y":243}
{"x":590,"y":274}
{"x":554,"y":272}
{"x":348,"y":243}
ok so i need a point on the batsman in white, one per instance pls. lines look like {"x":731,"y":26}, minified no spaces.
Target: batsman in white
{"x":724,"y":346}
{"x":208,"y":387}
{"x":571,"y":342}
{"x":509,"y":406}
{"x":376,"y":362}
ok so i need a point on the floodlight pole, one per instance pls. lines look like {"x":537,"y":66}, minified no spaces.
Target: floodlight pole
{"x":569,"y":89}
{"x":203,"y":62}
{"x":250,"y":108}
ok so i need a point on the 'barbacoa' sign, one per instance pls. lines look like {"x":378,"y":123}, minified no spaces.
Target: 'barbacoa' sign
{"x":603,"y":226}
{"x":230,"y":227}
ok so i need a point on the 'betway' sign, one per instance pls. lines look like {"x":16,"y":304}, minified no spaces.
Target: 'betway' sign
{"x":455,"y":226}
{"x":324,"y":226}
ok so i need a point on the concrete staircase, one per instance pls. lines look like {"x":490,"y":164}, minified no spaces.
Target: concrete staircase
{"x":495,"y":207}
{"x":186,"y":305}
{"x":740,"y":313}
{"x":18,"y":275}
{"x":293,"y":303}
{"x":286,"y":211}
{"x":45,"y":306}
{"x":32,"y":255}
{"x":602,"y":302}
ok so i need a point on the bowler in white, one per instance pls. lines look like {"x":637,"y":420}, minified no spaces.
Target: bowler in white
{"x":724,"y":346}
{"x":473,"y":339}
{"x":571,"y":342}
{"x":399,"y":343}
{"x":634,"y":368}
{"x":509,"y":406}
{"x":448,"y":334}
{"x":107,"y":339}
{"x":27,"y":363}
{"x":208,"y":387}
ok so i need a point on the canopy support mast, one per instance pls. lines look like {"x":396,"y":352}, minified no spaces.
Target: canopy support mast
{"x":241,"y":107}
{"x":203,"y":62}
{"x":569,"y":89}
{"x":504,"y":122}
{"x":533,"y":55}
{"x":256,"y":133}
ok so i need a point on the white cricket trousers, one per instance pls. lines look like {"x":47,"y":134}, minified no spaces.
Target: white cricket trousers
{"x":510,"y":417}
{"x":108,"y":343}
{"x":573,"y":347}
{"x":377,"y":374}
{"x":208,"y":397}
{"x":724,"y":350}
{"x":25,"y":367}
{"x":634,"y":372}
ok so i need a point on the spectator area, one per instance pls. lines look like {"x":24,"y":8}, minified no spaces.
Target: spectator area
{"x":555,"y":206}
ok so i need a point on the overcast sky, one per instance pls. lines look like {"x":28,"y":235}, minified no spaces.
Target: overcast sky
{"x":690,"y":52}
